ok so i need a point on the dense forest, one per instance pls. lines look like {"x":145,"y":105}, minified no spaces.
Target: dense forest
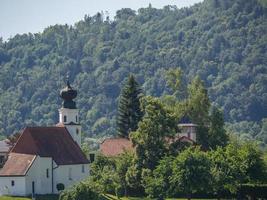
{"x":224,"y":42}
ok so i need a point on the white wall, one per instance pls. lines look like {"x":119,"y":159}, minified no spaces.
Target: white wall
{"x":17,"y":190}
{"x":61,"y":175}
{"x":188,"y":131}
{"x":71,"y":115}
{"x":73,"y":132}
{"x":37,"y":173}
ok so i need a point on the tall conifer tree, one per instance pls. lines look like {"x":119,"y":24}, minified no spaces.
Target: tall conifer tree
{"x":129,"y":112}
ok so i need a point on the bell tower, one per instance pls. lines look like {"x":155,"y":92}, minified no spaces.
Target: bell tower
{"x":69,"y":114}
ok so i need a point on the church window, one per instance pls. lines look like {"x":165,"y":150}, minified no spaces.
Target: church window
{"x":65,"y":118}
{"x":12,"y":183}
{"x":82,"y":168}
{"x":47,"y":173}
{"x":76,"y":118}
{"x":77,"y":131}
{"x":70,"y":174}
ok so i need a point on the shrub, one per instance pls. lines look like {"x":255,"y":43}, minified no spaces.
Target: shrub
{"x":81,"y":191}
{"x":252,"y":190}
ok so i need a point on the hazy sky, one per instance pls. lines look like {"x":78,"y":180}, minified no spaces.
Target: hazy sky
{"x":23,"y":16}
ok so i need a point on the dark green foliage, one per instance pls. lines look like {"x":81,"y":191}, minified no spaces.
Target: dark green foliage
{"x":224,"y":42}
{"x":129,"y":111}
{"x":149,"y":139}
{"x":80,"y":191}
{"x":191,"y":172}
{"x":217,"y":132}
{"x":252,"y":190}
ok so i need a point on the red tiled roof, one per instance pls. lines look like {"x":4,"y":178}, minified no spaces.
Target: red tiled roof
{"x":170,"y":140}
{"x":55,"y":142}
{"x":17,"y":164}
{"x":115,"y":146}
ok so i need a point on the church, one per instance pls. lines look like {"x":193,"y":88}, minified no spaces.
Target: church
{"x":45,"y":160}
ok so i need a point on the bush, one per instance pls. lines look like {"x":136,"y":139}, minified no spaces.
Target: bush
{"x":81,"y":191}
{"x":252,"y":190}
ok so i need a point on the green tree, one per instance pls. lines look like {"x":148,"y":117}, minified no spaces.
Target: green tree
{"x":149,"y":139}
{"x":80,"y":191}
{"x":198,"y":109}
{"x":129,"y":112}
{"x":123,"y":163}
{"x":217,"y":132}
{"x":191,"y":171}
{"x":157,"y":183}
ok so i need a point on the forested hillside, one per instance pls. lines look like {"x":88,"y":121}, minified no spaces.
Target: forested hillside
{"x":222,"y":41}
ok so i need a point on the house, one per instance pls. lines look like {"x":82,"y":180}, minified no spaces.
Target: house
{"x":116,"y":146}
{"x":187,"y":129}
{"x":4,"y":149}
{"x":45,"y":158}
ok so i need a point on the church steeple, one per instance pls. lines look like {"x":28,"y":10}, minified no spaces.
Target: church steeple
{"x":69,"y":114}
{"x":68,"y":94}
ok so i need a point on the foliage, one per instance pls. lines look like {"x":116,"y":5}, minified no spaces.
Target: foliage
{"x":217,"y":132}
{"x":150,"y":138}
{"x":191,"y":171}
{"x":198,"y":108}
{"x":157,"y":183}
{"x":129,"y":112}
{"x":81,"y":191}
{"x":252,"y":190}
{"x":123,"y":163}
{"x":221,"y":41}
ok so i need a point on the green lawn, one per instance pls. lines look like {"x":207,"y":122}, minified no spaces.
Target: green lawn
{"x":45,"y":197}
{"x":13,"y":198}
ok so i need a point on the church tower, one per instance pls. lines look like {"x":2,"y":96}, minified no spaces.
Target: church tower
{"x":69,"y":114}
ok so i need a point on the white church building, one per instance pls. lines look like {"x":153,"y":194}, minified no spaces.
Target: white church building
{"x":45,"y":158}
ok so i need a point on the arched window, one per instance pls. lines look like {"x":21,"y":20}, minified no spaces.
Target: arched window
{"x":82,"y":168}
{"x":77,"y":131}
{"x":70,"y":174}
{"x":47,"y":173}
{"x":76,"y":118}
{"x":65,"y":118}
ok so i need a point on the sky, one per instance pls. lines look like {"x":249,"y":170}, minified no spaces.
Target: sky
{"x":24,"y":16}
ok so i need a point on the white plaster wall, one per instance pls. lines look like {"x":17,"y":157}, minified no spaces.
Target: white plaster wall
{"x":70,"y":113}
{"x":37,"y":173}
{"x":61,"y":175}
{"x":73,"y":132}
{"x":19,"y":189}
{"x":188,"y":129}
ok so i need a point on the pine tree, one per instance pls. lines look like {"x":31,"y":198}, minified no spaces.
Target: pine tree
{"x":129,"y":112}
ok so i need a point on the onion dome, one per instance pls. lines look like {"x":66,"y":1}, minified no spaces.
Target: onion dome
{"x":68,"y":94}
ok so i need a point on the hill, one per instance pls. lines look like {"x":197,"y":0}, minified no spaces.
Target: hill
{"x":222,"y":41}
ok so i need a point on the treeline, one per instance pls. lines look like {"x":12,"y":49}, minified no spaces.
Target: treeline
{"x":222,"y":41}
